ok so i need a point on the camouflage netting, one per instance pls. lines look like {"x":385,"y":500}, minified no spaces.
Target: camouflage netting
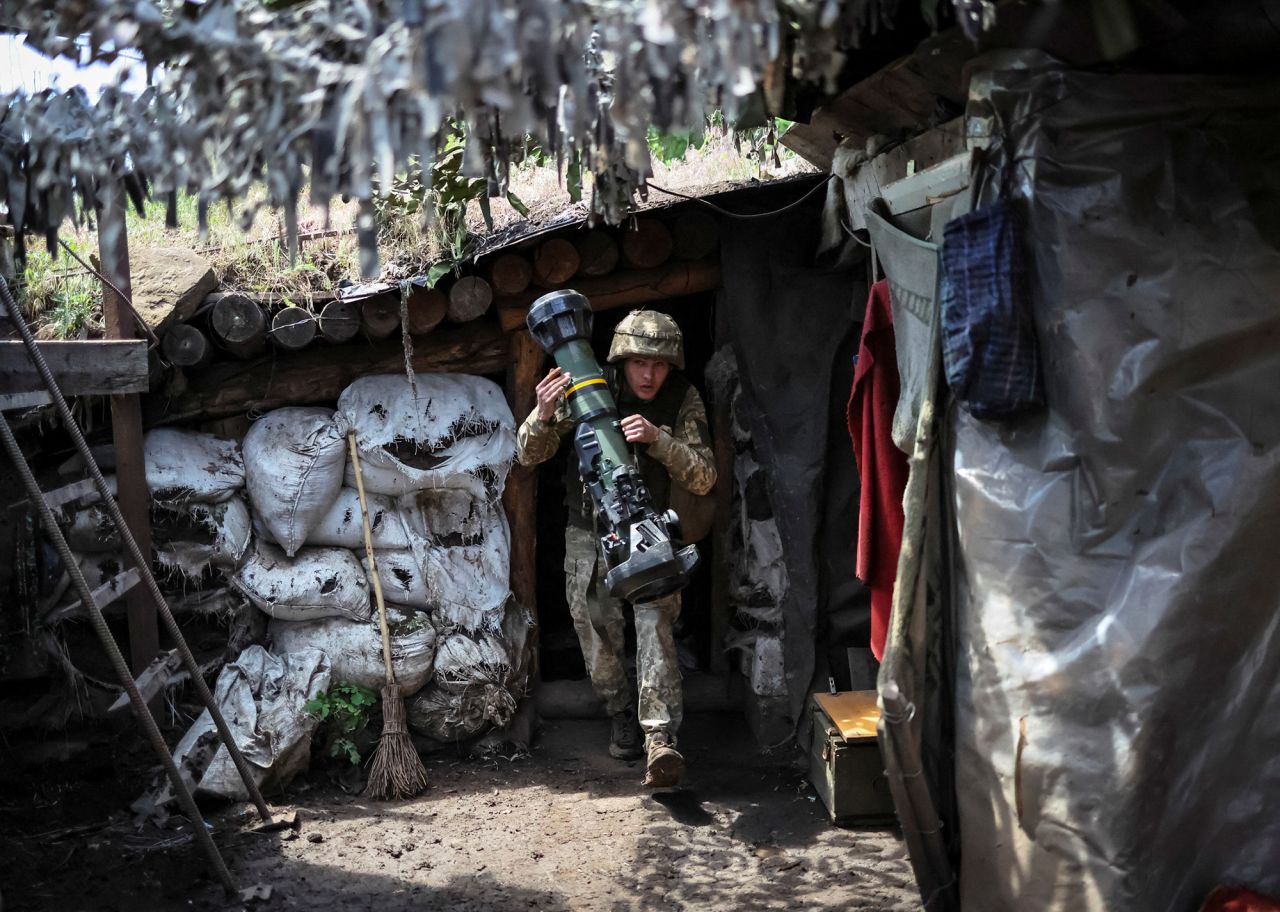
{"x":346,"y":94}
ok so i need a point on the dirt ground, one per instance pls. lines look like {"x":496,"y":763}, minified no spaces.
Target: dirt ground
{"x":565,"y":828}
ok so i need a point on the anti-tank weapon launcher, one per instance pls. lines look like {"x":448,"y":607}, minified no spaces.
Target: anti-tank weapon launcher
{"x":640,"y":546}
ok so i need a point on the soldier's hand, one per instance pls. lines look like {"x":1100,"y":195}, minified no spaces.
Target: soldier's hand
{"x":638,"y":429}
{"x":549,"y":392}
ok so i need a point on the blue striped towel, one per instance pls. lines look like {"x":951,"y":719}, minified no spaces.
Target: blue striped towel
{"x":989,"y":348}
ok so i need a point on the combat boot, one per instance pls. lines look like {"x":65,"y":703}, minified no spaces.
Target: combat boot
{"x":665,"y":766}
{"x":625,"y":738}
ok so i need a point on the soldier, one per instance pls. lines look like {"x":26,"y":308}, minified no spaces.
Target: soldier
{"x":664,"y":418}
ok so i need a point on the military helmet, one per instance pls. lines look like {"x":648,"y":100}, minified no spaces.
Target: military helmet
{"x":648,"y":334}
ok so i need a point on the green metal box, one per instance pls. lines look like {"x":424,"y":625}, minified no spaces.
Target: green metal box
{"x":844,"y":759}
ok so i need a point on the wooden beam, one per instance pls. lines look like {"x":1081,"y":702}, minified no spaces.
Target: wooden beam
{"x":317,"y":375}
{"x":721,"y":604}
{"x":16,"y":401}
{"x":123,"y":584}
{"x":97,"y":367}
{"x":625,"y":288}
{"x":938,"y":163}
{"x":520,"y":498}
{"x":126,"y":425}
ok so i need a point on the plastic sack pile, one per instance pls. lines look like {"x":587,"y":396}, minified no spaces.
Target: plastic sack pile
{"x":275,"y":521}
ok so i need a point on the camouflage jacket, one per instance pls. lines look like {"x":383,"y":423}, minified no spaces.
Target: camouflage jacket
{"x":684,"y":450}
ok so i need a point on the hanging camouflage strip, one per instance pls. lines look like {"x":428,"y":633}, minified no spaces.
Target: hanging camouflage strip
{"x":346,"y":93}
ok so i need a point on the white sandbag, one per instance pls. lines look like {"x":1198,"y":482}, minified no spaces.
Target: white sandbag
{"x":262,"y":697}
{"x":189,"y":537}
{"x":463,"y":545}
{"x":403,"y":581}
{"x":457,"y":433}
{"x":464,"y":662}
{"x":341,"y":525}
{"x":294,"y":460}
{"x":189,"y":465}
{"x":316,"y":583}
{"x":445,"y":716}
{"x":470,"y":690}
{"x":204,"y":536}
{"x":355,"y":649}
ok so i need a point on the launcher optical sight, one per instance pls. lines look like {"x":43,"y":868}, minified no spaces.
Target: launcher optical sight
{"x":640,"y":546}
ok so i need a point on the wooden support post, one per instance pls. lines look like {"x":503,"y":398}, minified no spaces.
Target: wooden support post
{"x":427,"y":308}
{"x":647,"y":245}
{"x":555,"y":262}
{"x":469,"y":297}
{"x":510,"y":274}
{"x":721,"y":607}
{"x":126,"y":424}
{"x":597,"y":253}
{"x":186,"y":346}
{"x":521,"y":495}
{"x":340,"y":321}
{"x":293,"y":328}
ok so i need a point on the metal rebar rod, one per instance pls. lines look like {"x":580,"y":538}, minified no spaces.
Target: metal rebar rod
{"x":142,"y":562}
{"x":121,"y":667}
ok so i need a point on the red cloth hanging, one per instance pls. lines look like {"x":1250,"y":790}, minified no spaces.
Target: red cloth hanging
{"x":882,"y":467}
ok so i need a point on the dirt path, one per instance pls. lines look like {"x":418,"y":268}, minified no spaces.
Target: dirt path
{"x":567,"y":828}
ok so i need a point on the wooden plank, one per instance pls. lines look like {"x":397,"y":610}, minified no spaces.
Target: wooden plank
{"x":123,"y":584}
{"x":899,"y":97}
{"x":15,"y":401}
{"x":928,"y":150}
{"x":68,"y":493}
{"x":721,"y":603}
{"x":94,"y":367}
{"x":165,"y":671}
{"x":927,"y":187}
{"x":126,"y":425}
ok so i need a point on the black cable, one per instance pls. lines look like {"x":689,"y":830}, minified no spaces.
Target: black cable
{"x":742,"y":215}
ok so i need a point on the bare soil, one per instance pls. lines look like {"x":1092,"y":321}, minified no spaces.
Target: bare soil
{"x":565,"y":828}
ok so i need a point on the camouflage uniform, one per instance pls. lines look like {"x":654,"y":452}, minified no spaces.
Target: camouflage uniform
{"x":683,"y":452}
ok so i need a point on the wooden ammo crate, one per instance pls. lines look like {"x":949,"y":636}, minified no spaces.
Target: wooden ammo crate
{"x":844,"y":760}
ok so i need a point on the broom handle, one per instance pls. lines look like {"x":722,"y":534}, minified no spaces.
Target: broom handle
{"x":373,"y":567}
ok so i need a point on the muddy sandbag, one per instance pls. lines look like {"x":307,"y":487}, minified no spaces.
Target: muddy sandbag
{"x":463,"y":662}
{"x":403,"y":580}
{"x":262,"y":697}
{"x":355,"y":649}
{"x":294,"y":459}
{"x":445,"y":716}
{"x":462,"y":543}
{"x":190,"y":465}
{"x":457,"y":432}
{"x":315,"y":583}
{"x":342,"y":526}
{"x":470,"y":690}
{"x":189,"y":536}
{"x":195,"y":537}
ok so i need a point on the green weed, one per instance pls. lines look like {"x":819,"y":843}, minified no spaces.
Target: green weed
{"x":343,"y":711}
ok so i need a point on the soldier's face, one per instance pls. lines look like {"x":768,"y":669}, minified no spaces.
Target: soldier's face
{"x":645,"y":376}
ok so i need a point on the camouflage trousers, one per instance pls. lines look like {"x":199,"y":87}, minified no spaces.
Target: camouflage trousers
{"x":601,"y":628}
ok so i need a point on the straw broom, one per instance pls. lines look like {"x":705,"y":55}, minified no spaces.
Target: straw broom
{"x":396,"y":770}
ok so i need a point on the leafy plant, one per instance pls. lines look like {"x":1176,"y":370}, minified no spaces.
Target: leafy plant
{"x":343,"y":711}
{"x":669,"y":147}
{"x":59,"y":290}
{"x":448,"y":193}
